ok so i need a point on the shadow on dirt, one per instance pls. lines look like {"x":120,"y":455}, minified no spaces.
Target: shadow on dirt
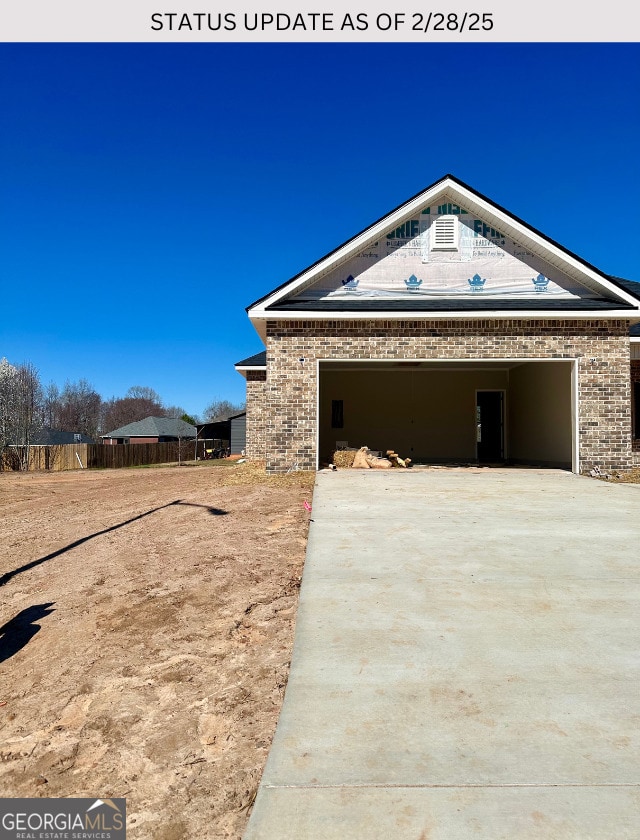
{"x":4,"y":579}
{"x":212,"y":510}
{"x":17,"y":633}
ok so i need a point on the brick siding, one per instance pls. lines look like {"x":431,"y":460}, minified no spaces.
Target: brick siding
{"x":635,"y":377}
{"x":283,"y":405}
{"x":256,"y":440}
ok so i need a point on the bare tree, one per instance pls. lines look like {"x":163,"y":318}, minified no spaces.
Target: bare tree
{"x":30,"y":409}
{"x":174,"y":411}
{"x":20,"y":408}
{"x":8,"y":404}
{"x":143,"y":392}
{"x":221,"y":410}
{"x":79,"y":407}
{"x":138,"y":403}
{"x":50,"y":406}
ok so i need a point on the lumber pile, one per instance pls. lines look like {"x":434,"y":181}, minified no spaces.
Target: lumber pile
{"x":396,"y":460}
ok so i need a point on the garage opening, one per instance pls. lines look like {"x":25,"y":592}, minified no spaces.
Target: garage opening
{"x":517,"y":412}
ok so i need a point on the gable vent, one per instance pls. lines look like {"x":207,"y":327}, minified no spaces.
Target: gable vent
{"x":445,"y":234}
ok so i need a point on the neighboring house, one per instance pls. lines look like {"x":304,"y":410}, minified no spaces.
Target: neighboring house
{"x":151,"y":430}
{"x":452,"y":332}
{"x":48,"y":449}
{"x":54,"y":437}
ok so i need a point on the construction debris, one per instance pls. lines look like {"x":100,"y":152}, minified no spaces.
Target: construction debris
{"x":366,"y":459}
{"x":377,"y":463}
{"x":343,"y":458}
{"x":360,"y":462}
{"x":596,"y":472}
{"x":396,"y":460}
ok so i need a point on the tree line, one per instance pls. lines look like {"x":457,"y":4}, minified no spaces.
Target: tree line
{"x":27,"y":407}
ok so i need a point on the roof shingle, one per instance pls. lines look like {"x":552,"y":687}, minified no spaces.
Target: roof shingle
{"x":155,"y":427}
{"x":258,"y":360}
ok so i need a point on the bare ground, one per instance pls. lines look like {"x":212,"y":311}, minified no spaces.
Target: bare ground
{"x":148,"y":622}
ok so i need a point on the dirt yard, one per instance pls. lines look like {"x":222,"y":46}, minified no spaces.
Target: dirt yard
{"x":148,"y":620}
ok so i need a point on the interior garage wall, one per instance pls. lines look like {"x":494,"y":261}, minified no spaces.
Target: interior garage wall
{"x":427,"y":415}
{"x":539,"y":414}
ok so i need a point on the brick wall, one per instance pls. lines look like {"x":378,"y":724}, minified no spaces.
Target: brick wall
{"x":256,"y":441}
{"x":286,"y":424}
{"x":635,"y":377}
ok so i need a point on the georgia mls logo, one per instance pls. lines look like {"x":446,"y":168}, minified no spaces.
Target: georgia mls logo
{"x":62,"y":819}
{"x":117,"y":819}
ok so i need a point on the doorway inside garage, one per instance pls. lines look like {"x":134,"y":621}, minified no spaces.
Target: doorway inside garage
{"x":490,"y":444}
{"x":520,"y":412}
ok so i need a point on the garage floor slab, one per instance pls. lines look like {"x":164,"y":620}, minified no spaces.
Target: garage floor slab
{"x":466,"y":662}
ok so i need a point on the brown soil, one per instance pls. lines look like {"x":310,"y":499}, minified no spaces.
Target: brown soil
{"x":148,"y":623}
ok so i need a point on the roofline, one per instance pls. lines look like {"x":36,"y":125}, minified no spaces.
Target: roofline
{"x":498,"y":207}
{"x":139,"y":434}
{"x":117,"y":433}
{"x":260,"y":322}
{"x":457,"y":314}
{"x":111,"y":435}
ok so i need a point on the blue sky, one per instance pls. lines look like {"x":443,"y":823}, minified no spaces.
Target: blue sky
{"x":149,"y":193}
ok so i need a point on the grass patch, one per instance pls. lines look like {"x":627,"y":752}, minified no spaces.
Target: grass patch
{"x":220,"y":462}
{"x":231,"y":473}
{"x":252,"y":473}
{"x":632,"y":477}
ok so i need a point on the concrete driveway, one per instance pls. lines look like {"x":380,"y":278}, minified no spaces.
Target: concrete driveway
{"x":466,"y":662}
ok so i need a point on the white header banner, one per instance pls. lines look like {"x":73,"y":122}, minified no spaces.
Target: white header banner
{"x":431,"y":22}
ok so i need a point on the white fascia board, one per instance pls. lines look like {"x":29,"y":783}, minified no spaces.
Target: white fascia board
{"x":458,"y":314}
{"x":500,"y":219}
{"x":634,"y":338}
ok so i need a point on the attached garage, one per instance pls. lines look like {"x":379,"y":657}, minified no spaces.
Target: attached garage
{"x":452,"y":332}
{"x":455,"y":412}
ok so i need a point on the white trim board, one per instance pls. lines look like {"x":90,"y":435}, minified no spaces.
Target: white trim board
{"x":260,"y":321}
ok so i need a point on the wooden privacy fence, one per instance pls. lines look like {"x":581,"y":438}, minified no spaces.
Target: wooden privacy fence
{"x":60,"y":457}
{"x":138,"y":454}
{"x":76,"y":456}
